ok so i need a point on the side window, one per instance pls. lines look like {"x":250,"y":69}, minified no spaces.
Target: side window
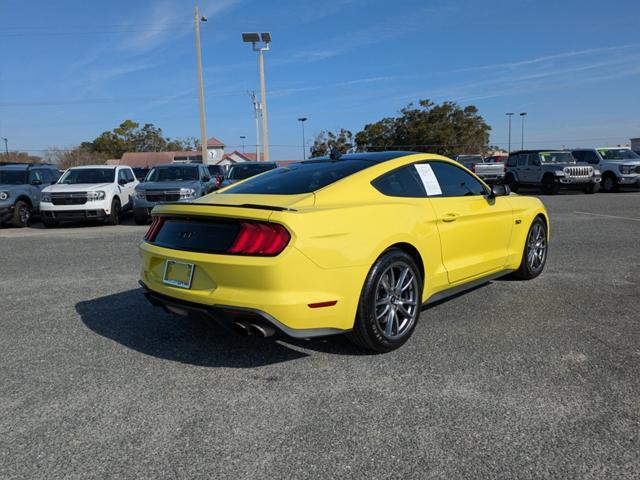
{"x":455,"y":182}
{"x":129,"y":175}
{"x":121,"y":176}
{"x":533,"y":160}
{"x":36,"y":175}
{"x":512,"y":161}
{"x":55,"y":175}
{"x":522,"y":160}
{"x":401,"y":182}
{"x":48,"y":177}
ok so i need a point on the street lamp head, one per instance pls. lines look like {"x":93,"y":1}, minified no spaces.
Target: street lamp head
{"x":250,"y":37}
{"x":243,"y":137}
{"x":522,"y":114}
{"x":203,"y":18}
{"x":302,"y":119}
{"x":266,"y":37}
{"x":510,"y":113}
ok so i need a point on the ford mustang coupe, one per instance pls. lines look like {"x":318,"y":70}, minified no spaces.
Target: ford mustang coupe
{"x":352,"y":244}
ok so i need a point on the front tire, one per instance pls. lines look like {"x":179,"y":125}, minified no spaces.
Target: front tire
{"x":116,"y":210}
{"x":609,"y":183}
{"x":389,"y":304}
{"x":550,"y":186}
{"x":21,"y":214}
{"x":534,"y":256}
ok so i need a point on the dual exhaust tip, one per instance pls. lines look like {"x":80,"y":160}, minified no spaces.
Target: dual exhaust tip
{"x":248,"y":329}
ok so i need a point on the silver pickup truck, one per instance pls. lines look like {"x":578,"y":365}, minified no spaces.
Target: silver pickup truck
{"x":489,"y":172}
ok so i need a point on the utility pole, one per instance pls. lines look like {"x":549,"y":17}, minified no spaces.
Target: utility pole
{"x":203,"y":126}
{"x":254,"y":38}
{"x":522,"y":115}
{"x":509,"y":115}
{"x":304,"y":147}
{"x":256,"y":110}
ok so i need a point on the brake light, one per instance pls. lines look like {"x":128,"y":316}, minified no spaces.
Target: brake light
{"x":156,"y":225}
{"x":260,"y":239}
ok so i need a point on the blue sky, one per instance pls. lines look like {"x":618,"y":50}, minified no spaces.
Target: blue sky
{"x":72,"y":69}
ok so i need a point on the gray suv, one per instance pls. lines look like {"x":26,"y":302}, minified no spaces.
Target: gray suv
{"x":174,"y":182}
{"x":619,"y":166}
{"x":21,"y":187}
{"x":550,"y":170}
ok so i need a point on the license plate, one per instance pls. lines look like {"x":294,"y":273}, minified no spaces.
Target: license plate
{"x":178,"y":274}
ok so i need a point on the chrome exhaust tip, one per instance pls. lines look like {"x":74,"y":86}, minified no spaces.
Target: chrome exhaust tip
{"x":263,"y":331}
{"x":243,"y":329}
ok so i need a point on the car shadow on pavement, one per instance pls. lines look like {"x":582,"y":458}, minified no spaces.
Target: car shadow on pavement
{"x":128,"y":319}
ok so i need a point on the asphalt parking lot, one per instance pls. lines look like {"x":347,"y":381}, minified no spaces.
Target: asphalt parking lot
{"x":535,"y":379}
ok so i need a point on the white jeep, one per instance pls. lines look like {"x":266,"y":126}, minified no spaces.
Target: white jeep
{"x":93,"y":192}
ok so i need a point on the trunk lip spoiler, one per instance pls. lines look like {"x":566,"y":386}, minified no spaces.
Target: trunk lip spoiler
{"x":244,"y":205}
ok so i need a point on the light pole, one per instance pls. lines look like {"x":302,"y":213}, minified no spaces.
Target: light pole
{"x":510,"y":114}
{"x":304,"y":147}
{"x":203,"y":125}
{"x":253,"y":38}
{"x":242,"y":137}
{"x":522,"y":115}
{"x":6,"y":148}
{"x":257,"y":108}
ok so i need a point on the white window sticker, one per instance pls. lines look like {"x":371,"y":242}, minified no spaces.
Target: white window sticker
{"x":428,"y":178}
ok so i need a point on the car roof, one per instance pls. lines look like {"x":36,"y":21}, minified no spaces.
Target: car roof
{"x":178,"y":164}
{"x":254,"y":163}
{"x":81,"y":167}
{"x":374,"y":157}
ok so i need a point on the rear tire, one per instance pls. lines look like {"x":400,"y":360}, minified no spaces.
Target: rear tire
{"x":114,"y":216}
{"x":389,"y":304}
{"x":21,"y":214}
{"x":534,"y":255}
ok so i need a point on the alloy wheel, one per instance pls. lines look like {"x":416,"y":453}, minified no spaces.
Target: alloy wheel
{"x":396,"y":301}
{"x":536,"y":247}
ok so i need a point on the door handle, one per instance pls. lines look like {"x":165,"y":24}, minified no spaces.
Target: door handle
{"x":449,"y":217}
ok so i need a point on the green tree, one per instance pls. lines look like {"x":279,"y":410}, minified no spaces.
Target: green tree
{"x":446,"y":129}
{"x":325,"y":141}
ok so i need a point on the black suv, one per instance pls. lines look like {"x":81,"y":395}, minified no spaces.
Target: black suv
{"x":21,"y":185}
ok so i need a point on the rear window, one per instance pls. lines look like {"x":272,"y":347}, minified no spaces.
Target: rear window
{"x":173,"y":174}
{"x":240,"y":172}
{"x":302,"y":177}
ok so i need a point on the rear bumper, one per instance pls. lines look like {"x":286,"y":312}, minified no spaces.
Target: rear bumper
{"x":226,"y":315}
{"x":74,"y":215}
{"x":281,"y":290}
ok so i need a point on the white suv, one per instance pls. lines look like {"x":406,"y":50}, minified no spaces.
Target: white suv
{"x":92,"y":192}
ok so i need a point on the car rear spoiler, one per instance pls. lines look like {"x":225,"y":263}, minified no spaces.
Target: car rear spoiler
{"x":244,"y":205}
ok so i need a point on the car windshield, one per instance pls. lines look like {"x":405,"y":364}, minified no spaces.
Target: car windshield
{"x":13,"y":177}
{"x":215,"y":170}
{"x":302,"y":177}
{"x":172,"y":174}
{"x":240,"y":172}
{"x":88,"y":175}
{"x":557,"y":157}
{"x":618,"y":154}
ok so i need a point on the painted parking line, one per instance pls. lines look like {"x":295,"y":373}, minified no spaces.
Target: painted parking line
{"x":609,"y":216}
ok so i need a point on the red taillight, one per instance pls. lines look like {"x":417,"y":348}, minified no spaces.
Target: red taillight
{"x":260,"y":239}
{"x":156,"y":225}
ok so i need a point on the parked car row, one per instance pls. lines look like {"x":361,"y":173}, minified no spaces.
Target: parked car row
{"x":587,"y":169}
{"x":105,"y":192}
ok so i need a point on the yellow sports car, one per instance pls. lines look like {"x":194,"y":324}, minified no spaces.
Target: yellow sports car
{"x":351,"y":244}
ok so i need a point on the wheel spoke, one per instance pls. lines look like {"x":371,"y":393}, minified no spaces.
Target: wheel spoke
{"x":401,"y":279}
{"x":382,"y":301}
{"x":408,"y":284}
{"x":385,"y":284}
{"x":383,"y":313}
{"x":405,"y":312}
{"x":389,"y":327}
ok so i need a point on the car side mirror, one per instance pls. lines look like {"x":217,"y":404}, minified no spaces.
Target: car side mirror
{"x":499,"y":190}
{"x":36,"y":181}
{"x":122,"y":181}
